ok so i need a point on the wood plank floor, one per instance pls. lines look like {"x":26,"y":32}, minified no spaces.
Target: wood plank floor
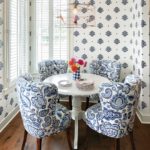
{"x":11,"y":138}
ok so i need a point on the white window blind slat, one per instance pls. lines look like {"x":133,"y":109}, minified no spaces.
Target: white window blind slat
{"x":42,"y":29}
{"x":17,"y":38}
{"x":23,"y":37}
{"x":52,"y":39}
{"x":60,"y":41}
{"x":13,"y":39}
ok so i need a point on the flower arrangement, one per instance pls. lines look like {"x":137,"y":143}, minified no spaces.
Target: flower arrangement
{"x":75,"y":64}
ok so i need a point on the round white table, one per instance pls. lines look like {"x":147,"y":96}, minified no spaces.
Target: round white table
{"x":77,"y":94}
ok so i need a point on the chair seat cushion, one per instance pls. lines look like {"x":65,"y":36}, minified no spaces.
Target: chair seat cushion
{"x":94,"y":119}
{"x":92,"y":115}
{"x":63,"y":115}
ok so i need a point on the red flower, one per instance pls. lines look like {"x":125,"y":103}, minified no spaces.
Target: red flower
{"x":80,"y":62}
{"x":71,"y":62}
{"x":74,"y":68}
{"x":76,"y":63}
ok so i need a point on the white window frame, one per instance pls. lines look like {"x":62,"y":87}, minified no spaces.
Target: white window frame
{"x":34,"y":55}
{"x":7,"y":84}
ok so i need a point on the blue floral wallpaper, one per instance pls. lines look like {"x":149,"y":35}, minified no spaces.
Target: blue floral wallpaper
{"x":110,"y":37}
{"x":2,"y":103}
{"x":141,"y":51}
{"x":120,"y":33}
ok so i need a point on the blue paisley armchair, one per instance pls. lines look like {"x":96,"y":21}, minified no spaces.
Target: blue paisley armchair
{"x":114,"y":117}
{"x":48,"y":68}
{"x":105,"y":68}
{"x":51,"y":67}
{"x":41,"y":114}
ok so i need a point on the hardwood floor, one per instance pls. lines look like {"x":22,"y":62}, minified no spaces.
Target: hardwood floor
{"x":11,"y":138}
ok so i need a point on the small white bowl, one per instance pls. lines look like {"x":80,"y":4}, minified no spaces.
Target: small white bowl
{"x":64,"y":83}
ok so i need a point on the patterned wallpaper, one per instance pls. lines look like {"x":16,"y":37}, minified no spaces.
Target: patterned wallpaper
{"x":7,"y":102}
{"x":111,"y":36}
{"x":140,"y":43}
{"x":2,"y":103}
{"x":120,"y":33}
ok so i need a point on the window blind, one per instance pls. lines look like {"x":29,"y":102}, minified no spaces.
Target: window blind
{"x":17,"y":38}
{"x":23,"y":36}
{"x":60,"y":35}
{"x":42,"y":29}
{"x":51,"y":38}
{"x":13,"y":39}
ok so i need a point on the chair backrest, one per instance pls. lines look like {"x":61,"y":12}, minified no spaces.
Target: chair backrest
{"x":37,"y":102}
{"x":119,"y":102}
{"x":51,"y":67}
{"x":106,"y":68}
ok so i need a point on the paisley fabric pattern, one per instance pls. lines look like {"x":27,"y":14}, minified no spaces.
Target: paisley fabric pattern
{"x":51,"y":67}
{"x":115,"y":115}
{"x":27,"y":77}
{"x":105,"y":68}
{"x":41,"y":114}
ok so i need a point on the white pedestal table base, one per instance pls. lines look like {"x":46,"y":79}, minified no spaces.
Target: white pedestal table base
{"x":77,"y":114}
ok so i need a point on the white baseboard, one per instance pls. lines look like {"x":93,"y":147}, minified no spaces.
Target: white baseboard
{"x":144,"y":118}
{"x":9,"y":118}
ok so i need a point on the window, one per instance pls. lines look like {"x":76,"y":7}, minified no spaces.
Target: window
{"x":17,"y":38}
{"x":51,"y":38}
{"x":60,"y":39}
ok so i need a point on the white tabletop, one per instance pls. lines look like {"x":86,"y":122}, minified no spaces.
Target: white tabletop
{"x":73,"y":90}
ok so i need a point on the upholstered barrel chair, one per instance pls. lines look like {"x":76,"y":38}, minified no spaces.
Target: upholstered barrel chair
{"x":115,"y":116}
{"x":48,"y":68}
{"x":51,"y":67}
{"x":105,"y":68}
{"x":41,"y":114}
